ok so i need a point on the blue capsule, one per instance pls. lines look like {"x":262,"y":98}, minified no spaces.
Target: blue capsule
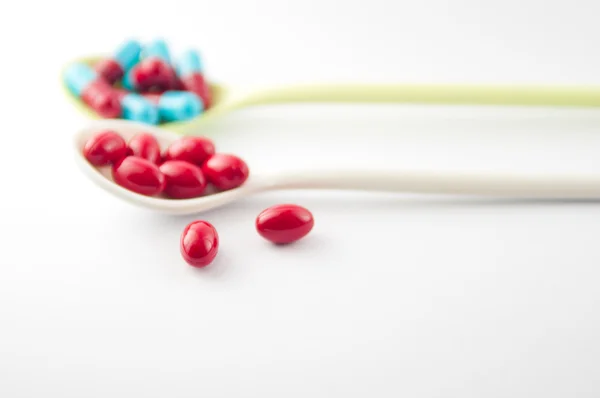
{"x":189,"y":63}
{"x":175,"y":106}
{"x":158,"y":49}
{"x":136,"y":107}
{"x":128,"y":54}
{"x":78,"y":77}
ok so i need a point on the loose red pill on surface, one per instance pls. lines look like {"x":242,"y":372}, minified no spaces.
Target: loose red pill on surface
{"x":184,"y":180}
{"x":139,"y":175}
{"x":145,"y":146}
{"x":225,"y":171}
{"x":199,"y":244}
{"x":191,"y":149}
{"x":105,"y":148}
{"x":284,"y":223}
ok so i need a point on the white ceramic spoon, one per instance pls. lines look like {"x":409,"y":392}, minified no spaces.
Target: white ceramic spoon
{"x":495,"y":185}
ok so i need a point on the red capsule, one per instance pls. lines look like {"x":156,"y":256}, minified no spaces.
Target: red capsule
{"x":284,"y":223}
{"x":199,"y":244}
{"x":152,"y":73}
{"x":225,"y":171}
{"x":139,"y":175}
{"x":191,"y":149}
{"x":105,"y":148}
{"x":101,"y":97}
{"x":145,"y":146}
{"x":110,"y":70}
{"x":184,"y":180}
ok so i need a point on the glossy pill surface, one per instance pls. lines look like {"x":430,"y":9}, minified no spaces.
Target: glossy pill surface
{"x":145,"y":146}
{"x":139,"y":175}
{"x":195,"y":150}
{"x":184,"y":180}
{"x":199,"y":243}
{"x":225,"y":171}
{"x":284,"y":223}
{"x":150,"y":73}
{"x":105,"y":148}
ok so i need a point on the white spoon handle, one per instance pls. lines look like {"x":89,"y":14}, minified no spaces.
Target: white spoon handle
{"x":453,"y":183}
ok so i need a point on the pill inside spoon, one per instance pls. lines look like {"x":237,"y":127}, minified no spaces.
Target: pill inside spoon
{"x":155,"y":168}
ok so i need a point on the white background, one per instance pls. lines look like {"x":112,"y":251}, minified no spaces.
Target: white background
{"x":390,"y":295}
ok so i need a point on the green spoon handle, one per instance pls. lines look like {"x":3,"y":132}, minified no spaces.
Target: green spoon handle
{"x":582,"y":96}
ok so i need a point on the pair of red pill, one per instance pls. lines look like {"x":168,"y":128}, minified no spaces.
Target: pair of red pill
{"x":184,"y":171}
{"x":281,"y":224}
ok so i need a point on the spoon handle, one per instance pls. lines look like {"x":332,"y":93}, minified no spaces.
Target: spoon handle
{"x":583,"y":96}
{"x":453,"y":183}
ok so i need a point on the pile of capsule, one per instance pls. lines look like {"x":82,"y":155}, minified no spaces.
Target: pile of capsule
{"x":182,"y":171}
{"x":143,"y":84}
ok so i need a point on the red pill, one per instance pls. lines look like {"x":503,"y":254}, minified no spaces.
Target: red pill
{"x":152,"y":73}
{"x":145,"y":146}
{"x":199,"y":244}
{"x":109,"y":70}
{"x":139,"y":175}
{"x":225,"y":171}
{"x":191,"y":149}
{"x":284,"y":223}
{"x":184,"y":180}
{"x":101,"y":97}
{"x":105,"y":148}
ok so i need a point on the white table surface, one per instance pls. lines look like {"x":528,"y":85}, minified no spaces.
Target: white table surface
{"x":390,"y":295}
